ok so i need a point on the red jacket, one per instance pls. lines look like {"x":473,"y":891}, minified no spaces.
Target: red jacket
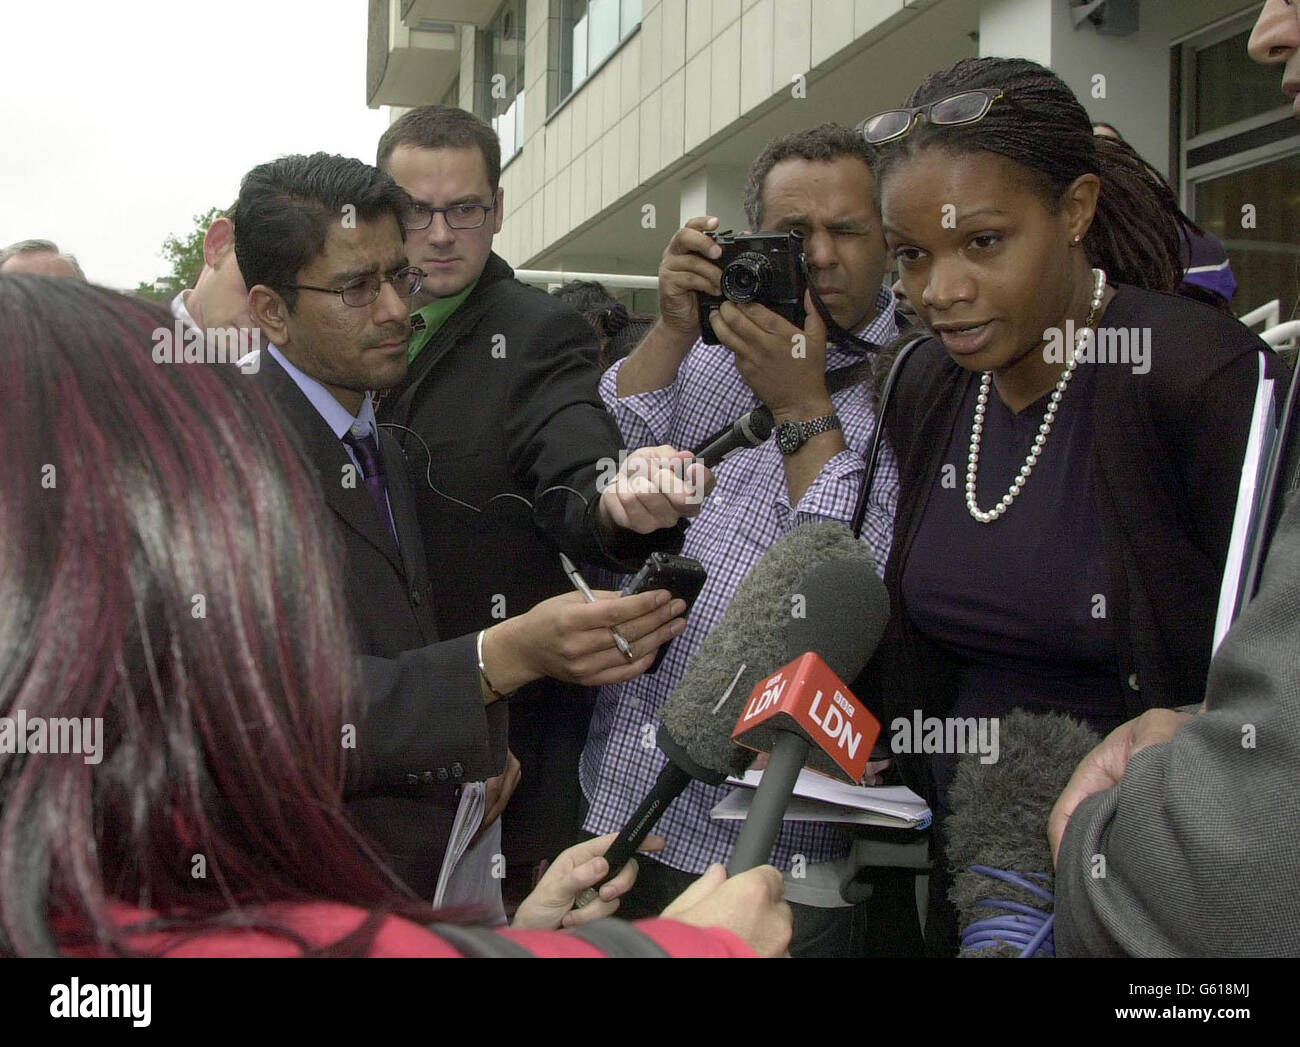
{"x":323,"y":923}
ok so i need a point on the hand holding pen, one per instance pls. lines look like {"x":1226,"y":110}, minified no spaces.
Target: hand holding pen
{"x":581,"y":585}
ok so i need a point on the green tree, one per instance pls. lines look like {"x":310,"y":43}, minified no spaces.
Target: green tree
{"x":185,"y":256}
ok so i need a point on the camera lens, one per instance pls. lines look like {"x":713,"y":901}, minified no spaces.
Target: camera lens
{"x":746,"y":278}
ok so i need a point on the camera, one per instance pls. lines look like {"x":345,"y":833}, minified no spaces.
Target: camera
{"x":758,"y":267}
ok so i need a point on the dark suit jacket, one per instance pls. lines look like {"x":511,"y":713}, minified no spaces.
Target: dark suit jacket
{"x":505,"y":399}
{"x":424,"y":728}
{"x":1202,"y":836}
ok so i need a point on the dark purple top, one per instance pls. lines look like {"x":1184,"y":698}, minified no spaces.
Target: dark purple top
{"x":1022,"y":603}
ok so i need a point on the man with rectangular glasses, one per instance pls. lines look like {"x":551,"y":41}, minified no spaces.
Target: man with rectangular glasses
{"x":320,"y":244}
{"x":502,"y":415}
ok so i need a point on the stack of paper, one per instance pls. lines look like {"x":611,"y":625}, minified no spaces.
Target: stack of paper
{"x":468,"y":876}
{"x":1249,"y":521}
{"x":821,"y":799}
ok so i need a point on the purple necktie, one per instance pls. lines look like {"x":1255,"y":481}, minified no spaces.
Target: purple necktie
{"x":372,"y":471}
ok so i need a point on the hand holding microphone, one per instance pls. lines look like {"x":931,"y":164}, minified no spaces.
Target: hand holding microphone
{"x":657,"y":486}
{"x":550,"y":905}
{"x":751,"y":905}
{"x":653,"y":489}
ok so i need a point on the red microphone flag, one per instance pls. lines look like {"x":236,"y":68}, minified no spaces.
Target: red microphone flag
{"x":806,"y":698}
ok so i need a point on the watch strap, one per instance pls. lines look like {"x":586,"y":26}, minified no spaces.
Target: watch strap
{"x":824,"y":424}
{"x":806,"y":431}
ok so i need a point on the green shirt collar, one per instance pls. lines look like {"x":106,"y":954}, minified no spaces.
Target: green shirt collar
{"x":433,"y":316}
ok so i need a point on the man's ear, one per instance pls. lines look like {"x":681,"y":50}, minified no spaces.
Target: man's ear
{"x":499,"y":209}
{"x":269,"y":313}
{"x":219,"y":238}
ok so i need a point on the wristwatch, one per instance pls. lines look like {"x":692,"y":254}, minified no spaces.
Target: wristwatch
{"x":790,"y":436}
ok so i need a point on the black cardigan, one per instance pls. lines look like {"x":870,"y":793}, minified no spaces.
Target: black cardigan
{"x":1168,"y":447}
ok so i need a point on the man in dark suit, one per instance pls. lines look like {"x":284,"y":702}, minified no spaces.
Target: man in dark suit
{"x":501,"y":405}
{"x":320,"y":244}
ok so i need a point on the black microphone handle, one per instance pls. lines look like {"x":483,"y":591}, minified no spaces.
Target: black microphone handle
{"x":767,"y":812}
{"x":749,"y":430}
{"x":668,"y":786}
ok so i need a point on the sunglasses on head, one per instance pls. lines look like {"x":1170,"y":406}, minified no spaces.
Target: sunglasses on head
{"x":968,"y":107}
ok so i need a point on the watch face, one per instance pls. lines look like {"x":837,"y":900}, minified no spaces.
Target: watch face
{"x":788,"y":438}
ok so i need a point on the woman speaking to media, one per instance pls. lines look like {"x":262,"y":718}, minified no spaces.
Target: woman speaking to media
{"x":1070,"y":437}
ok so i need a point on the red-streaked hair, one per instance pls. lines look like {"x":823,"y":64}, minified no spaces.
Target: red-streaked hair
{"x":167,"y":566}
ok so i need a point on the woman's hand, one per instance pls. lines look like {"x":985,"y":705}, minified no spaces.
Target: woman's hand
{"x":550,"y":905}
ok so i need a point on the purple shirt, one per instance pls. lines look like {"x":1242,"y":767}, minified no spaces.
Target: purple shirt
{"x":747,"y":512}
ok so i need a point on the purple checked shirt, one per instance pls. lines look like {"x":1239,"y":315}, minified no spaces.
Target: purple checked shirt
{"x":747,"y":512}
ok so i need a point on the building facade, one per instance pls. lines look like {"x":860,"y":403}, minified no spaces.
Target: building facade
{"x":619,"y":119}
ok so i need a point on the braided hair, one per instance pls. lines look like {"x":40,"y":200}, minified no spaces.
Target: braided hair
{"x":1039,"y":124}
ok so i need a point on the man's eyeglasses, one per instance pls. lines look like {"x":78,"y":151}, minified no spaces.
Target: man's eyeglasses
{"x":457,"y":216}
{"x":365,"y":289}
{"x":965,"y":108}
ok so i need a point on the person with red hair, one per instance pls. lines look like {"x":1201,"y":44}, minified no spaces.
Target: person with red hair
{"x":171,"y":582}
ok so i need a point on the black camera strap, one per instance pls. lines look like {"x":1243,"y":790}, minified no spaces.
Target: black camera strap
{"x":878,"y":434}
{"x":834,"y":331}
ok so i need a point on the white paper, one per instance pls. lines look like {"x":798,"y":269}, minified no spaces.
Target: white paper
{"x":1263,"y":432}
{"x":735,"y":806}
{"x":819,"y":798}
{"x":467,"y":876}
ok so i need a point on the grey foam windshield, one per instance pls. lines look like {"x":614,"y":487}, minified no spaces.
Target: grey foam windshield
{"x":1000,"y":799}
{"x":809,"y":570}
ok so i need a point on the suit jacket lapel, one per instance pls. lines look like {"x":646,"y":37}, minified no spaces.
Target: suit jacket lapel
{"x":327,"y":453}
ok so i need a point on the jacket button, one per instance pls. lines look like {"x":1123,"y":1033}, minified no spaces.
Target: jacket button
{"x":442,"y":774}
{"x":427,"y":777}
{"x":457,"y":771}
{"x":1133,"y":681}
{"x":415,"y":596}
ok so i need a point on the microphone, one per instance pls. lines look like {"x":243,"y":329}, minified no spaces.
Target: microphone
{"x":783,"y":606}
{"x":997,"y":833}
{"x":748,"y":430}
{"x":804,"y":714}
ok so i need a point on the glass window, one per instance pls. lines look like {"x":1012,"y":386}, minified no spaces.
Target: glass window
{"x":1265,"y":258}
{"x":1239,"y":158}
{"x":1229,"y":86}
{"x":502,"y":99}
{"x":590,"y":31}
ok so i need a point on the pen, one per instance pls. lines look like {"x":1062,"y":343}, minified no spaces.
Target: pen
{"x":581,"y":585}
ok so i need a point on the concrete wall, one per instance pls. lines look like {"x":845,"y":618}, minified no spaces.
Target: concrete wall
{"x":1124,"y":79}
{"x":674,"y":116}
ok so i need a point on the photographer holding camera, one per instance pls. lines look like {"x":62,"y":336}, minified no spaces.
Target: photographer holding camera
{"x":676,"y":389}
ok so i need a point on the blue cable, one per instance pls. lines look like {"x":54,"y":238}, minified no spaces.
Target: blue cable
{"x":1020,"y":925}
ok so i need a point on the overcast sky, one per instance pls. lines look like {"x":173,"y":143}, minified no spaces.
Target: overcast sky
{"x":120,"y":121}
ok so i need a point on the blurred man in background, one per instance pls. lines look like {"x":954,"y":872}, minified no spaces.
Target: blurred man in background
{"x":218,"y":298}
{"x":41,"y":257}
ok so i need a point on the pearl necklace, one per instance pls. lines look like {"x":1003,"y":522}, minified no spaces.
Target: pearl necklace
{"x":972,"y":463}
